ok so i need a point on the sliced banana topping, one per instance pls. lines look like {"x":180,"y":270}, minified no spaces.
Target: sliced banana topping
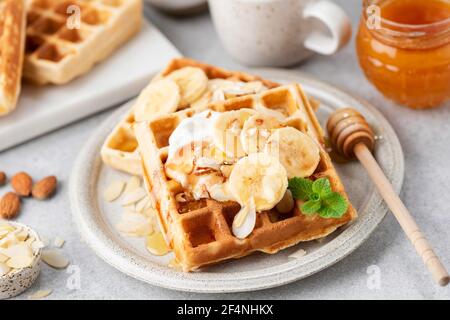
{"x":261,"y":177}
{"x":256,"y":131}
{"x":193,"y":82}
{"x":297,"y":152}
{"x":227,"y":130}
{"x":158,"y":98}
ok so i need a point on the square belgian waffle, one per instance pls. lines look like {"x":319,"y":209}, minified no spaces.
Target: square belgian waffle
{"x":12,"y":43}
{"x":66,"y":38}
{"x":199,"y":231}
{"x":119,"y":150}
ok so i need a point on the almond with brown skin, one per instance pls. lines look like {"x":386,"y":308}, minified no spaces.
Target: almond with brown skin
{"x":9,"y":206}
{"x":45,"y":188}
{"x":22,"y":184}
{"x":2,"y":178}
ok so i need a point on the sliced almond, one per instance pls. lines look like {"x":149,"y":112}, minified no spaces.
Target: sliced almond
{"x":114,"y":191}
{"x":21,"y":249}
{"x":19,"y":262}
{"x":36,"y":245}
{"x":298,"y":254}
{"x":156,"y":244}
{"x":58,"y":242}
{"x":4,"y":269}
{"x":3,"y":258}
{"x":55,"y":259}
{"x":134,"y":196}
{"x":133,"y":183}
{"x":40,"y":294}
{"x":134,"y":224}
{"x":142,"y":204}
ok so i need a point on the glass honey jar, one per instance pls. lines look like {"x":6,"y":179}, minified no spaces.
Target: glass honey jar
{"x":403,"y":48}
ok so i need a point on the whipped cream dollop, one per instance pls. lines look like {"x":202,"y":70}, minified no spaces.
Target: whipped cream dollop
{"x":196,"y":128}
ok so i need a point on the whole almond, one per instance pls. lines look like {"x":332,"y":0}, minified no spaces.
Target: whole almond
{"x":2,"y":178}
{"x":22,"y":184}
{"x":45,"y":188}
{"x":9,"y":206}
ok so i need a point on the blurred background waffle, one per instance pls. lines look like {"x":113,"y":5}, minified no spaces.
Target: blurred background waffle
{"x":12,"y":41}
{"x":65,"y":38}
{"x":199,"y":231}
{"x":54,"y":49}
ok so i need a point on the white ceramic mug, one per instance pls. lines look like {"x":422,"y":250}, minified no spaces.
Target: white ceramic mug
{"x":279,"y":32}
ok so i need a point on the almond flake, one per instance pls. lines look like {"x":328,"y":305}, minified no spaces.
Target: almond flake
{"x":36,"y":245}
{"x":19,"y":262}
{"x":114,"y":191}
{"x":133,"y":183}
{"x":21,"y":249}
{"x":3,"y":258}
{"x":134,"y":196}
{"x":58,"y":242}
{"x":4,"y":269}
{"x":134,"y":224}
{"x":55,"y":259}
{"x":298,"y":254}
{"x":40,"y":294}
{"x":142,"y":204}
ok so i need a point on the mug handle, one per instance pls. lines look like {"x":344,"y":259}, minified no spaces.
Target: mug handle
{"x":335,"y":19}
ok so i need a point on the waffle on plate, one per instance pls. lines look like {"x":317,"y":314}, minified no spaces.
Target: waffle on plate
{"x":120,"y":148}
{"x":66,"y":38}
{"x":12,"y":38}
{"x":223,"y":194}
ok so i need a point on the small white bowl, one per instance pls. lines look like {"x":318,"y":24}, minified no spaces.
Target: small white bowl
{"x":13,"y":284}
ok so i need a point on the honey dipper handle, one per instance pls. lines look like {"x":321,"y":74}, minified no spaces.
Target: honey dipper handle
{"x":402,"y":214}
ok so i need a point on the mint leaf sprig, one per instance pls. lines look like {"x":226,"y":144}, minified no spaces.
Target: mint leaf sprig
{"x":318,"y":197}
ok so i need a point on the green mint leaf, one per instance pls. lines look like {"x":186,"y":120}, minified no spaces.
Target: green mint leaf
{"x":301,"y":188}
{"x":311,"y":207}
{"x":322,"y":186}
{"x":333,"y":206}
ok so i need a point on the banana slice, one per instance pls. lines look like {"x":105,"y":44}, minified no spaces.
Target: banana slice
{"x":256,"y":131}
{"x":158,"y":98}
{"x":227,"y":130}
{"x":261,"y":177}
{"x":297,"y":152}
{"x":193,"y":82}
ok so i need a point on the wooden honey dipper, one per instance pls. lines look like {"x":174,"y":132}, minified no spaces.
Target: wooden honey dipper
{"x":351,"y":136}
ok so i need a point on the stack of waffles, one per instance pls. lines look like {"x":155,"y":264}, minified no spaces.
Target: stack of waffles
{"x":62,"y":39}
{"x":216,"y":201}
{"x":12,"y":42}
{"x":201,"y":229}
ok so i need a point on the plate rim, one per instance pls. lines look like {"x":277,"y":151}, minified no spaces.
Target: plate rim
{"x":133,"y":265}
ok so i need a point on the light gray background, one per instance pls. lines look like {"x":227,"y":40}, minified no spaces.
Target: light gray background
{"x":424,"y":135}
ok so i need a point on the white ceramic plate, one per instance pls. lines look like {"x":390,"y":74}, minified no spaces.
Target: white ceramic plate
{"x":96,"y":219}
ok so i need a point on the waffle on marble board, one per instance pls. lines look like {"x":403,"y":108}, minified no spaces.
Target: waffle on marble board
{"x":119,"y":150}
{"x":12,"y":47}
{"x":66,"y":38}
{"x":200,"y":231}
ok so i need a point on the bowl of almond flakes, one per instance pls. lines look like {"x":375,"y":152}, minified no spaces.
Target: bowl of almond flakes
{"x":20,"y":256}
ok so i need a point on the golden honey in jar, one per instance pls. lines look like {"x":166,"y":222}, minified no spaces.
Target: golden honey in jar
{"x":404,"y":50}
